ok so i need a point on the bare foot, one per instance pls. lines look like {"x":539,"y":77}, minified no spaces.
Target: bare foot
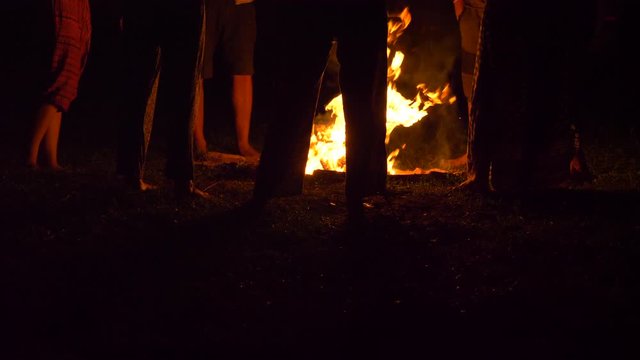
{"x":137,"y":184}
{"x":186,"y":189}
{"x":145,"y":186}
{"x":249,"y":153}
{"x":197,"y":193}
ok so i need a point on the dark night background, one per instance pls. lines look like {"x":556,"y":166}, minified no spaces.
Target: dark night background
{"x":89,"y":271}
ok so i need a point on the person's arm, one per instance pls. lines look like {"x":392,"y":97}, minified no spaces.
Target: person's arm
{"x":459,"y":6}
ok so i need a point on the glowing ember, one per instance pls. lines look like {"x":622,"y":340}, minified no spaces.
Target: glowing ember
{"x":327,"y":150}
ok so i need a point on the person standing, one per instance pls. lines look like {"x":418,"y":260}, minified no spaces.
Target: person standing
{"x":522,"y":132}
{"x":162,"y":44}
{"x":302,"y":35}
{"x":72,"y":39}
{"x":231,"y":28}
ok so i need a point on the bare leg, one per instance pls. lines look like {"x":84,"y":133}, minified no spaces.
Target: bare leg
{"x":198,"y":123}
{"x":47,"y":128}
{"x":242,"y":104}
{"x":51,"y":141}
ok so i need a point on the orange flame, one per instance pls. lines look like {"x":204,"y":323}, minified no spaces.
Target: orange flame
{"x":327,"y":148}
{"x":397,"y":24}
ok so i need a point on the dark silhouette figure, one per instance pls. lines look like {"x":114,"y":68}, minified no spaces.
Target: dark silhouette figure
{"x":162,"y":56}
{"x":525,"y":100}
{"x":231,"y":29}
{"x":302,"y":36}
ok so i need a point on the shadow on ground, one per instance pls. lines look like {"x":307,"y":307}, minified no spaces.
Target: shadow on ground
{"x":92,"y":271}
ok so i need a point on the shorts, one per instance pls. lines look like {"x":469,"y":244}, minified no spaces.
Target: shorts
{"x":231,"y":30}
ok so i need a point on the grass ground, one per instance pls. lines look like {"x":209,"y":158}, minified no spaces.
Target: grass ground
{"x":93,"y":272}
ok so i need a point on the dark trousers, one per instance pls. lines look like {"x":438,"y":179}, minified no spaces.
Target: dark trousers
{"x":519,"y":131}
{"x":302,"y":38}
{"x":162,"y":57}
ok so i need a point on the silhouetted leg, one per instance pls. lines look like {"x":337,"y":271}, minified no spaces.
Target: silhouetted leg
{"x":362,"y":55}
{"x":457,"y":133}
{"x":286,"y":147}
{"x":142,"y":69}
{"x":198,"y":122}
{"x":482,"y":113}
{"x":181,"y":63}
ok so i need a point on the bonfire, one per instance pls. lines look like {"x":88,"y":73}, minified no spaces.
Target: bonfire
{"x":328,"y":151}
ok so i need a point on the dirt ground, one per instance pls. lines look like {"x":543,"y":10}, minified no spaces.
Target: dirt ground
{"x":91,"y":271}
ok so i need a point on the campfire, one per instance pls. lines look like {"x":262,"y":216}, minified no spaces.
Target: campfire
{"x":327,"y":150}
